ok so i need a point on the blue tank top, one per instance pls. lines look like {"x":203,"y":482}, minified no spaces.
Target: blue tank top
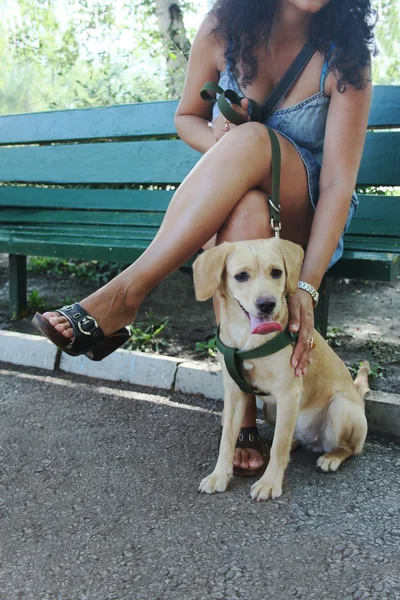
{"x":303,"y":123}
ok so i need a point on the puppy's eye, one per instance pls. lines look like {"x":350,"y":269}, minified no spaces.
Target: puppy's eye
{"x":276,"y":273}
{"x":241,"y":277}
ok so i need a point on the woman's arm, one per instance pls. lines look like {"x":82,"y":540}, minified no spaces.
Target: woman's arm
{"x":344,"y":141}
{"x":193,"y":113}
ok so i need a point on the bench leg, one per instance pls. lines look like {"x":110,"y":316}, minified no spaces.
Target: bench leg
{"x":321,"y":312}
{"x":17,"y":277}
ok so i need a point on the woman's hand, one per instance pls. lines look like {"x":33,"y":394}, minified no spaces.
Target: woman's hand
{"x":301,"y":319}
{"x":219,"y":122}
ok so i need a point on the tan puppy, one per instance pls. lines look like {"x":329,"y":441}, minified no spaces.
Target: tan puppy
{"x":323,"y":410}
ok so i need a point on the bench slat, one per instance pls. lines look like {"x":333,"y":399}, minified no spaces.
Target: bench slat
{"x":142,"y":119}
{"x":111,"y":236}
{"x":138,"y":162}
{"x":126,"y":252}
{"x":371,"y":207}
{"x":132,"y":228}
{"x":369,"y":266}
{"x":160,"y":161}
{"x":380,"y":163}
{"x":385,"y":108}
{"x":375,"y":228}
{"x":127,"y":121}
{"x":85,"y":199}
{"x":361,"y":243}
{"x":376,"y":266}
{"x":379,"y":207}
{"x":80,"y":217}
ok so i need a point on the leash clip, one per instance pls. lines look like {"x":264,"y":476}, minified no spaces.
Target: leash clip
{"x":276,"y":227}
{"x":275,"y":216}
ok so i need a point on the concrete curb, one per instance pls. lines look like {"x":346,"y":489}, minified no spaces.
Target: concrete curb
{"x":133,"y":367}
{"x":27,"y":350}
{"x":163,"y":372}
{"x":195,"y":377}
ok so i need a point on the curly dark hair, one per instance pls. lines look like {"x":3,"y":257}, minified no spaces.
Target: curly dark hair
{"x":348,"y":24}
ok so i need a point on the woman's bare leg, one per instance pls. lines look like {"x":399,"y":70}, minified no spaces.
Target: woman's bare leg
{"x":249,"y":220}
{"x":240,"y":161}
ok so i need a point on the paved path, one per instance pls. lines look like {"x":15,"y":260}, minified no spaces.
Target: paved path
{"x":98,"y":501}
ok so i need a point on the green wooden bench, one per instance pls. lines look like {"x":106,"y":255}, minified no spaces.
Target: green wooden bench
{"x":56,"y":200}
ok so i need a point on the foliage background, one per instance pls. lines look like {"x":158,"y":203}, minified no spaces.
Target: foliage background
{"x":58,"y":54}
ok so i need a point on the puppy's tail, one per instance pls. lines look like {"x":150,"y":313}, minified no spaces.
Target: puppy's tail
{"x":361,"y":380}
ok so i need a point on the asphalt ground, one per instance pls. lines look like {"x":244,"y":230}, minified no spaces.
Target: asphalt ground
{"x":99,"y":501}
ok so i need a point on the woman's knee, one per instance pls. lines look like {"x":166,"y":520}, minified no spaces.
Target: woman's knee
{"x":249,"y":219}
{"x":253,"y":132}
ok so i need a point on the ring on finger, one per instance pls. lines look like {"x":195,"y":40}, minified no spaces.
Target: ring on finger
{"x":311,"y":343}
{"x":226,"y":127}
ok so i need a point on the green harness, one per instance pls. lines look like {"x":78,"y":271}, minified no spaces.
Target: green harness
{"x":234,"y":358}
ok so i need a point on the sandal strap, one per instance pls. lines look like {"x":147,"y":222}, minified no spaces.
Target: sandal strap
{"x":87,"y":333}
{"x":248,"y":438}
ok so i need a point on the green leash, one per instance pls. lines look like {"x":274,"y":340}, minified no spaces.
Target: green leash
{"x":231,"y":115}
{"x":234,"y":358}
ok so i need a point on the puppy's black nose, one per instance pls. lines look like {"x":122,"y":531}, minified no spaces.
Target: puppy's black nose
{"x":266,"y":304}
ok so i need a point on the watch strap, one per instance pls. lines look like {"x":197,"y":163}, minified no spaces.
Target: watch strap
{"x":303,"y":285}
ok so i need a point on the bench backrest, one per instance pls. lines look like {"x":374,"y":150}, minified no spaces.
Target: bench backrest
{"x":137,"y":145}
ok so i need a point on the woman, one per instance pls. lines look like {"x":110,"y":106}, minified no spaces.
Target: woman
{"x":248,"y":46}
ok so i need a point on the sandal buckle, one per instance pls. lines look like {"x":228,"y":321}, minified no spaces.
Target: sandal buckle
{"x":83,"y":322}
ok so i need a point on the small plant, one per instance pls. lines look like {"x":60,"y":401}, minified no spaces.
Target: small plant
{"x":147,"y":338}
{"x":372,"y":344}
{"x":376,"y":371}
{"x":98,"y":271}
{"x":36,"y":301}
{"x":332,"y":337}
{"x":208,"y":347}
{"x":44,"y":264}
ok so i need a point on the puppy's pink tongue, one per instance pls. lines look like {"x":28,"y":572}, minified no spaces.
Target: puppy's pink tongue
{"x":263,"y":325}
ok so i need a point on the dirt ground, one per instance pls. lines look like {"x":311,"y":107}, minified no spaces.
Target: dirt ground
{"x":364,"y":318}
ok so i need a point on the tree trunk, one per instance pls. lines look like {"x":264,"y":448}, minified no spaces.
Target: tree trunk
{"x":177,"y":46}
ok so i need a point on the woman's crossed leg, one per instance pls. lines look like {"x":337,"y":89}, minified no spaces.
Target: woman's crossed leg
{"x":206,"y":202}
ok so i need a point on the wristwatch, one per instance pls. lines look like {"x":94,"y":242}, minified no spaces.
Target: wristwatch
{"x":303,"y":285}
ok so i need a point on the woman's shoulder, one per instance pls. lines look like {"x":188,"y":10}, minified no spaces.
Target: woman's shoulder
{"x":209,"y":36}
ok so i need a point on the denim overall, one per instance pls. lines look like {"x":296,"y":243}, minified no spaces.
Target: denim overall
{"x":304,"y":126}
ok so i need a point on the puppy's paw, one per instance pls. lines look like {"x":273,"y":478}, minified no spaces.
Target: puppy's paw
{"x":328,"y":463}
{"x":262,"y":490}
{"x":214,"y":483}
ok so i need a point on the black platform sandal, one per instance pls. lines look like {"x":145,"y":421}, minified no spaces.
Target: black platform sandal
{"x":249,"y":438}
{"x":88,"y":337}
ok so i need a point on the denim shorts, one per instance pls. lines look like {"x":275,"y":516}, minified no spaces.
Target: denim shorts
{"x":313,"y":168}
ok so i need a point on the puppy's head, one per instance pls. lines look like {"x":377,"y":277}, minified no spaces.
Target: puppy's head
{"x":255,"y":274}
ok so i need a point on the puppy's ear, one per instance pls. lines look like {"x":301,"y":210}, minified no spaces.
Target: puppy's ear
{"x":208,"y":269}
{"x":293,"y":256}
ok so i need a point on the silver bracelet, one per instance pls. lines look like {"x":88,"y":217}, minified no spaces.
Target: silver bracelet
{"x":303,"y":285}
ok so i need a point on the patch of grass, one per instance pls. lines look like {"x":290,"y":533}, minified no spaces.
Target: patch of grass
{"x":146,"y":336}
{"x":376,"y":370}
{"x":35,"y":300}
{"x":208,"y":347}
{"x":332,"y":337}
{"x":98,"y":271}
{"x":45,"y":264}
